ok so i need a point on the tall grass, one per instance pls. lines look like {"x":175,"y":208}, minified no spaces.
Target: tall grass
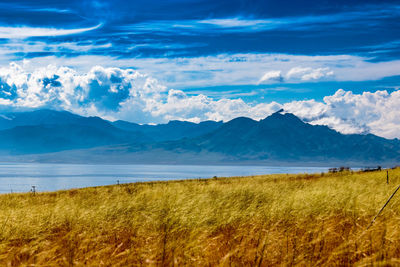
{"x":258,"y":221}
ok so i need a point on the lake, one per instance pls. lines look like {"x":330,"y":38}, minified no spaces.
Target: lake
{"x":20,"y":177}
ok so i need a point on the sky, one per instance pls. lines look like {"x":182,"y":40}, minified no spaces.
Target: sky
{"x":334,"y":63}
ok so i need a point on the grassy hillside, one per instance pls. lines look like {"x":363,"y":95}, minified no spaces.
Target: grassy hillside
{"x":262,"y":220}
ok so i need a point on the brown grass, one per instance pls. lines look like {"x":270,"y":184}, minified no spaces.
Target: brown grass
{"x":304,"y":220}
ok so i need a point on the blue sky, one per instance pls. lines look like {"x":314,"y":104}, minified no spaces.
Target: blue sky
{"x":153,"y":61}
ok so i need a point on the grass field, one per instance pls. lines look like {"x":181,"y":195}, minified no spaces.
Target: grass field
{"x":267,"y":220}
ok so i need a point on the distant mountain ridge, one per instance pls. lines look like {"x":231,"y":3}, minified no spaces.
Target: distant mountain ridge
{"x":59,"y":136}
{"x":47,"y":117}
{"x":282,"y":137}
{"x":173,"y":130}
{"x":43,"y":131}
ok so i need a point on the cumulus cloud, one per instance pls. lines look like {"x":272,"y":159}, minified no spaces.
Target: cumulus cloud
{"x":297,"y":74}
{"x":273,"y":75}
{"x":116,"y":93}
{"x":307,"y":74}
{"x":348,"y":113}
{"x":376,"y":113}
{"x":102,"y":89}
{"x":200,"y":107}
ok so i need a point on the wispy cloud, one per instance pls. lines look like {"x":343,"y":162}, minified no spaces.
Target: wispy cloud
{"x":165,"y":46}
{"x":388,"y":45}
{"x":20,"y":46}
{"x":252,"y":24}
{"x":248,"y":24}
{"x":15,"y":6}
{"x":8,"y":32}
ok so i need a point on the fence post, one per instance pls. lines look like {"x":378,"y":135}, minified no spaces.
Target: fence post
{"x":387,"y":176}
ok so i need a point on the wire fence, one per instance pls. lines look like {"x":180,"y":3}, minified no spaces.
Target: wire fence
{"x":6,"y":188}
{"x":17,"y":188}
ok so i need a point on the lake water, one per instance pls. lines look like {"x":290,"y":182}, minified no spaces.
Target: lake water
{"x":18,"y":177}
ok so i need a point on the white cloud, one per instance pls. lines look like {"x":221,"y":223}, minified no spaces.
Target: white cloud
{"x":251,"y":24}
{"x":26,"y":32}
{"x":273,"y":75}
{"x":21,"y":46}
{"x":377,"y":112}
{"x":297,"y":74}
{"x":200,"y":107}
{"x":307,"y":74}
{"x":116,"y":93}
{"x":223,"y":69}
{"x":100,"y":88}
{"x":238,"y":69}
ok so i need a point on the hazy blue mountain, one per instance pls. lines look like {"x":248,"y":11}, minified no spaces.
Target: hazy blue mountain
{"x":173,"y":130}
{"x":48,"y":117}
{"x":281,"y":137}
{"x":284,"y":136}
{"x":43,"y":131}
{"x":52,"y":137}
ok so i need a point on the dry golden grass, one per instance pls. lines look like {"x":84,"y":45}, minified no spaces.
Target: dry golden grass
{"x":302,"y":220}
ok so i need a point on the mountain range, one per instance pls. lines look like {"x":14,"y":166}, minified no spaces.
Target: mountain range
{"x":282,"y":138}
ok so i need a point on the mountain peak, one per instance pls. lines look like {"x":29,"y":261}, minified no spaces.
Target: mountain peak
{"x":179,"y":122}
{"x":241,"y":120}
{"x":279,"y":116}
